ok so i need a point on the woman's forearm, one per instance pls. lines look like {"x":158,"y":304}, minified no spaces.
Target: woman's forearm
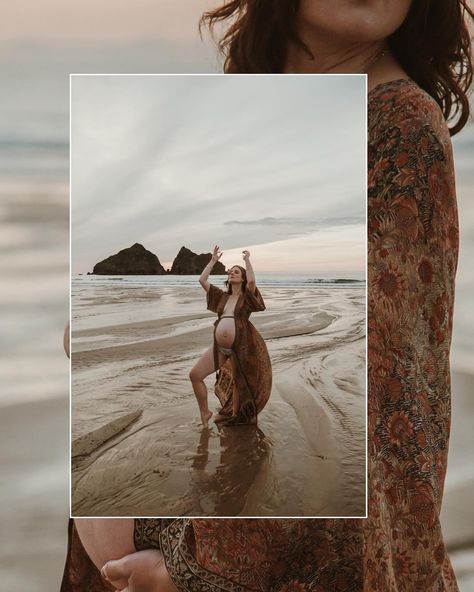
{"x":250,"y":273}
{"x":206,"y":272}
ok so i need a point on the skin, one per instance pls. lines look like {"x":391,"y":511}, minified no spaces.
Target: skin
{"x":225,"y":333}
{"x":105,"y":539}
{"x":347,"y":36}
{"x":109,"y":542}
{"x":144,"y":571}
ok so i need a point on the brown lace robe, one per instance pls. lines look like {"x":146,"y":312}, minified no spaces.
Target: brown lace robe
{"x":412,"y":257}
{"x":249,"y":367}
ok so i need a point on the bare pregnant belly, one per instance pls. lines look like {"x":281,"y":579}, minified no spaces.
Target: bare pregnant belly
{"x":105,"y":539}
{"x":225,"y":332}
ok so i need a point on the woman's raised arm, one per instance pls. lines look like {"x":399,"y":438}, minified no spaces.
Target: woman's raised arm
{"x":250,"y":274}
{"x":216,"y":255}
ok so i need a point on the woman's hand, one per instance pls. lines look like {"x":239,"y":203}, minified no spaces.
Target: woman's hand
{"x":144,"y":571}
{"x":216,"y":255}
{"x":245,"y":255}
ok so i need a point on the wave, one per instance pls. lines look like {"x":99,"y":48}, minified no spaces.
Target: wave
{"x":334,"y":281}
{"x":97,"y":281}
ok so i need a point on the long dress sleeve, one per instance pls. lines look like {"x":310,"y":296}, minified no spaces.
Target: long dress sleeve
{"x":412,"y":258}
{"x":254,"y":302}
{"x":213,"y":297}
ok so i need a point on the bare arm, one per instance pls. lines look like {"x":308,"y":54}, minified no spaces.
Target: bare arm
{"x":250,"y":274}
{"x":216,"y":255}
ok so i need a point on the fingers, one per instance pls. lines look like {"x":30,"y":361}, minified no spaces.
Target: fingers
{"x":117,"y":573}
{"x":215,"y":254}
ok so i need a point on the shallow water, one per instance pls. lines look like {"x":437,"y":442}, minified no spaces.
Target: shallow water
{"x":308,"y":456}
{"x":33,"y":303}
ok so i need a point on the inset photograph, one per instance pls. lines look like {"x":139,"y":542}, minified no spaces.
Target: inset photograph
{"x":218,"y":296}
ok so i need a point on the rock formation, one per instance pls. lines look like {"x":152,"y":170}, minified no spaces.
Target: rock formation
{"x":188,"y":263}
{"x":135,"y":260}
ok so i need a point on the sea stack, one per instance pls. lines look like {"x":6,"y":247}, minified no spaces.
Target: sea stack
{"x":188,"y":263}
{"x":135,"y":260}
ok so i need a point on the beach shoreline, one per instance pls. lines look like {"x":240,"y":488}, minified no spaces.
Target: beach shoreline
{"x":130,"y":381}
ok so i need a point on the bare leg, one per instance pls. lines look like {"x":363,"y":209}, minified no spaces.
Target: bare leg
{"x":203,"y":367}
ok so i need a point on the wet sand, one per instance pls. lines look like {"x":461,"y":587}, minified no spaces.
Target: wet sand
{"x":34,"y":502}
{"x":34,"y":493}
{"x":307,"y":456}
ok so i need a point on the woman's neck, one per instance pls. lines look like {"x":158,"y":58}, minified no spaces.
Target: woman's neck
{"x":236,"y":290}
{"x":331,"y":56}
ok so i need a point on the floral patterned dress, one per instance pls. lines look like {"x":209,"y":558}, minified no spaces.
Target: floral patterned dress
{"x":249,"y":367}
{"x":412,"y":257}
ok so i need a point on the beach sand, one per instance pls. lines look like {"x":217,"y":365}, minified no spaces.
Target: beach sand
{"x":34,"y":502}
{"x":34,"y":509}
{"x":307,"y":456}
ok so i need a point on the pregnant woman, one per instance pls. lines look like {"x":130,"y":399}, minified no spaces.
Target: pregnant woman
{"x":239,"y":352}
{"x":418,"y":59}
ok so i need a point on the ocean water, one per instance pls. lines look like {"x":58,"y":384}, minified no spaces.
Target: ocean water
{"x":101,"y":301}
{"x":34,"y":255}
{"x":34,"y":265}
{"x":133,"y":346}
{"x":34,"y":217}
{"x":263,"y":279}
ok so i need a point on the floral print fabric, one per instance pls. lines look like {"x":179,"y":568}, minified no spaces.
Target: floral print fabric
{"x":412,"y":257}
{"x":249,"y":367}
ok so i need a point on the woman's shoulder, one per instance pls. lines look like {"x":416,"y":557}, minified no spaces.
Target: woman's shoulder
{"x":402,"y":103}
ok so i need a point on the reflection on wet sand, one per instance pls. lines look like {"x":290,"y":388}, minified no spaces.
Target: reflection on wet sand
{"x":307,"y":457}
{"x":245,"y":458}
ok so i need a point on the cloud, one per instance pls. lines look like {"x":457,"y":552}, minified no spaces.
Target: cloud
{"x":204,"y":160}
{"x":312,"y":222}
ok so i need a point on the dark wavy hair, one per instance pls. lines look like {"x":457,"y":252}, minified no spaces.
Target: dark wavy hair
{"x":433,"y":45}
{"x":244,"y":280}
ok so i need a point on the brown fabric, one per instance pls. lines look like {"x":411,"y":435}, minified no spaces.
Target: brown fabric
{"x":249,"y":367}
{"x":146,"y":533}
{"x":412,"y":257}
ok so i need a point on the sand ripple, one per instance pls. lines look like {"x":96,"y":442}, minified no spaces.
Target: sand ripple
{"x":306,"y":458}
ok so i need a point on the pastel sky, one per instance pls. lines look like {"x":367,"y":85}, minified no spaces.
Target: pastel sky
{"x":103,"y":21}
{"x":116,"y":21}
{"x":238,"y":161}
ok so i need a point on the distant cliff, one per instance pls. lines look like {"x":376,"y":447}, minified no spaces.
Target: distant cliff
{"x":135,"y":260}
{"x":189,"y":263}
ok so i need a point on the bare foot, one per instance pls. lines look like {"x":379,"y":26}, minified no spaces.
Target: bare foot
{"x":219,"y":418}
{"x":205,"y":417}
